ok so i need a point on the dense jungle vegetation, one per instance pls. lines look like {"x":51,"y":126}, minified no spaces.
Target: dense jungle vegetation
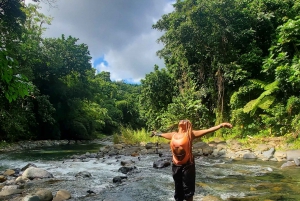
{"x":225,"y":60}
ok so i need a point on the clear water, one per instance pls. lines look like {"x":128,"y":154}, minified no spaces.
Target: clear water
{"x":53,"y":152}
{"x":236,"y":180}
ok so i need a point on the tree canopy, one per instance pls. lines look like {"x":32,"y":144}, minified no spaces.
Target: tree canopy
{"x":228,"y":60}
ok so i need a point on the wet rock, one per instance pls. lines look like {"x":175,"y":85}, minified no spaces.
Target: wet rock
{"x":201,"y":148}
{"x":32,"y":173}
{"x":75,"y":157}
{"x":2,"y":178}
{"x":280,"y":155}
{"x":113,"y":152}
{"x":62,"y":195}
{"x":44,"y":195}
{"x":288,"y":164}
{"x":90,"y":192}
{"x":161,"y":163}
{"x":7,"y":192}
{"x":249,"y":156}
{"x":27,"y":166}
{"x":31,"y":198}
{"x":105,"y":149}
{"x":198,"y":152}
{"x":17,"y":172}
{"x":10,"y":182}
{"x":83,"y":174}
{"x":9,"y":172}
{"x":11,"y":187}
{"x":118,"y":146}
{"x":150,"y":151}
{"x":125,"y":169}
{"x":127,"y":163}
{"x":268,"y":154}
{"x":241,"y":153}
{"x":85,"y":160}
{"x":207,"y":150}
{"x":130,"y":151}
{"x":270,"y":169}
{"x":119,"y":179}
{"x":150,"y":145}
{"x":93,"y":155}
{"x":215,"y":153}
{"x":199,"y":145}
{"x":83,"y":156}
{"x":293,"y":155}
{"x":87,"y":154}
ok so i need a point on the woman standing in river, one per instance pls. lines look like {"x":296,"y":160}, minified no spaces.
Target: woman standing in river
{"x":183,"y":166}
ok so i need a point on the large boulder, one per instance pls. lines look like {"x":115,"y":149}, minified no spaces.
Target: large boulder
{"x":280,"y":155}
{"x":293,"y":155}
{"x":269,"y":153}
{"x":7,"y":192}
{"x":62,"y":195}
{"x":34,"y":173}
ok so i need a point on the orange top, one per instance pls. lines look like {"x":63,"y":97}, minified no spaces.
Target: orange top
{"x":181,"y":149}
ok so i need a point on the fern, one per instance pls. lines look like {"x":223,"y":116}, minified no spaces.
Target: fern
{"x":265,"y":100}
{"x":260,"y":83}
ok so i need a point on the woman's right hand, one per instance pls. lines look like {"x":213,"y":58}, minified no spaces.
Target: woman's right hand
{"x":152,"y":133}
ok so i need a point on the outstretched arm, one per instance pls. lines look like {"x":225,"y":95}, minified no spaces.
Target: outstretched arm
{"x":200,"y":133}
{"x":167,"y":136}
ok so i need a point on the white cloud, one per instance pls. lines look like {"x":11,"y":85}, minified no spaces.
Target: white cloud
{"x":133,"y":61}
{"x":118,"y":29}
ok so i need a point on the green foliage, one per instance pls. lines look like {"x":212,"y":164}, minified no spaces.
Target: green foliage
{"x":12,"y":83}
{"x":157,"y":91}
{"x":185,"y":106}
{"x":295,"y":143}
{"x":129,"y":136}
{"x":293,"y":105}
{"x":230,"y":59}
{"x":3,"y":144}
{"x":280,"y":68}
{"x":265,"y":99}
{"x":296,"y":125}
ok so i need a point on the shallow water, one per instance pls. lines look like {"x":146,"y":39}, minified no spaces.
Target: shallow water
{"x":224,"y":178}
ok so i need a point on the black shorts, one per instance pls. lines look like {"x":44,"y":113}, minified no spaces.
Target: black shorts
{"x":184,"y":178}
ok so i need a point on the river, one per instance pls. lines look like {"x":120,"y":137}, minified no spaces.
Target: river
{"x":224,"y":178}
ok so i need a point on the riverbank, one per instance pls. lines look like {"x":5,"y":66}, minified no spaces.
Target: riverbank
{"x":28,"y":145}
{"x":128,"y":170}
{"x":266,"y":149}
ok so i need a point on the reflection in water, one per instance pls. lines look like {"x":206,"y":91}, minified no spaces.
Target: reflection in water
{"x":54,"y":152}
{"x":228,"y":179}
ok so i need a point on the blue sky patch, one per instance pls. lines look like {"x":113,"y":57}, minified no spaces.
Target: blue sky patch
{"x":99,"y":61}
{"x":131,"y":81}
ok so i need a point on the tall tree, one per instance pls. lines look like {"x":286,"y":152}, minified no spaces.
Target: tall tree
{"x":12,"y":83}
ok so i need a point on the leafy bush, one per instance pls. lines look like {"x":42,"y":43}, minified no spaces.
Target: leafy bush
{"x":130,"y":136}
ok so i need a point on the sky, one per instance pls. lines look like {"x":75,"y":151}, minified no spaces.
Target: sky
{"x":119,"y":33}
